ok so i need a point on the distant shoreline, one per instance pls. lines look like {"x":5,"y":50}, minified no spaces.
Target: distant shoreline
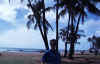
{"x":6,"y":49}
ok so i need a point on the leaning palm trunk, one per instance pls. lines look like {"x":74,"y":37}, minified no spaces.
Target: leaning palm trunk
{"x":40,"y":28}
{"x":46,"y":44}
{"x":44,"y":25}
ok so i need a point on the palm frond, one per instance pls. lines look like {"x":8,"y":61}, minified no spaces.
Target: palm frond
{"x":22,"y":1}
{"x":92,"y":8}
{"x":63,"y":12}
{"x":49,"y":8}
{"x":29,"y":24}
{"x":48,"y":25}
{"x":35,"y":26}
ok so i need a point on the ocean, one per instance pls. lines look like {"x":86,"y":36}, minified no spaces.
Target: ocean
{"x":20,"y":50}
{"x":5,"y":49}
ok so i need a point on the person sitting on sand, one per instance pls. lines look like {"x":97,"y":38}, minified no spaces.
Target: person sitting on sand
{"x":51,"y":56}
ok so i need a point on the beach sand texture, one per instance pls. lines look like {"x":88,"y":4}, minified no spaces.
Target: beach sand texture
{"x":20,"y":58}
{"x":35,"y":58}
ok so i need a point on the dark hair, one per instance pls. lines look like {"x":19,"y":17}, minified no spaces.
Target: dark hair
{"x":53,"y":41}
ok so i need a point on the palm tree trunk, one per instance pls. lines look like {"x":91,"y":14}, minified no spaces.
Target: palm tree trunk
{"x":57,"y":24}
{"x":44,"y":24}
{"x":77,"y":27}
{"x":74,"y":39}
{"x":71,"y":51}
{"x":65,"y":53}
{"x":46,"y":44}
{"x":67,"y":37}
{"x":40,"y":28}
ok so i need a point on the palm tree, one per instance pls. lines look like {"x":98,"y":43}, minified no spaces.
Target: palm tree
{"x":38,"y":9}
{"x":95,"y":44}
{"x":39,"y":17}
{"x":73,"y":13}
{"x":77,"y":9}
{"x":65,"y":36}
{"x":93,"y":41}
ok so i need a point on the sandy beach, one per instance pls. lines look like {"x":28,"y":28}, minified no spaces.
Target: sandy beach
{"x":35,"y":58}
{"x":20,"y":58}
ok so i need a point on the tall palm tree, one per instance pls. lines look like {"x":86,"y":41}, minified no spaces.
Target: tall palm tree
{"x":69,"y":7}
{"x":65,"y":36}
{"x":77,"y":9}
{"x":39,"y":17}
{"x":38,"y":9}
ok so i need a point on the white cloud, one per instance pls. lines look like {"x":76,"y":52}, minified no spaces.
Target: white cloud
{"x":91,"y":26}
{"x":8,"y":10}
{"x":7,"y":13}
{"x":64,"y":19}
{"x":97,"y":33}
{"x":98,"y":6}
{"x":51,"y":16}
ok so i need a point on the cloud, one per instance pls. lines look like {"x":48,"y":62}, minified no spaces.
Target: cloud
{"x":7,"y":13}
{"x":91,"y":26}
{"x":98,"y":6}
{"x":8,"y":10}
{"x":97,"y":33}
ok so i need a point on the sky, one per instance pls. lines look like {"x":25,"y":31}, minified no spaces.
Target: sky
{"x":14,"y":33}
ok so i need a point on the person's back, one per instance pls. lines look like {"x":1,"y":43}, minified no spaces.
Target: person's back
{"x":51,"y":56}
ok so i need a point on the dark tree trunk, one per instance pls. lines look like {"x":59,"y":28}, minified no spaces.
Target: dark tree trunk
{"x":71,"y":51}
{"x":46,"y":44}
{"x":57,"y":24}
{"x":65,"y":53}
{"x":73,"y":37}
{"x":44,"y":25}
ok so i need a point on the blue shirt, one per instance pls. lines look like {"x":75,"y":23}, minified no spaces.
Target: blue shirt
{"x":51,"y":57}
